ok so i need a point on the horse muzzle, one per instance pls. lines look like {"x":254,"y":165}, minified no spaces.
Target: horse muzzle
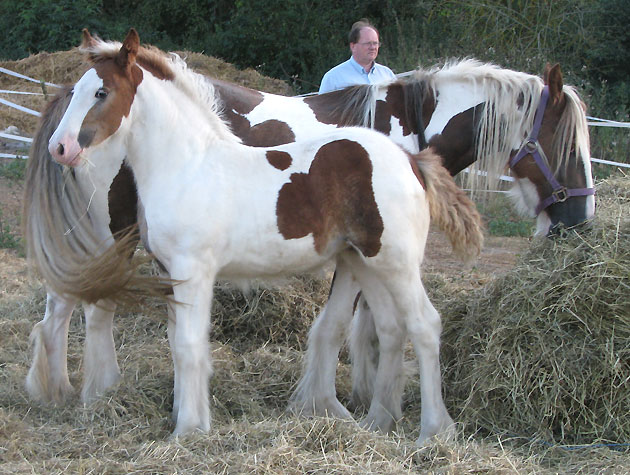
{"x":66,"y":152}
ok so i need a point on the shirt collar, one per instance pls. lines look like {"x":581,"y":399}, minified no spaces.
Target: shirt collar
{"x":359,"y":68}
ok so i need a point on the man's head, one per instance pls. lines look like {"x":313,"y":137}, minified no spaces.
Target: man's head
{"x":364,"y":42}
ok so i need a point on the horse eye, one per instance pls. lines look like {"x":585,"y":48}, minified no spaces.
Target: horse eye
{"x":101,"y":93}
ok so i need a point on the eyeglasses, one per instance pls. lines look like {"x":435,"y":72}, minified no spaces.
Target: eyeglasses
{"x":374,"y":44}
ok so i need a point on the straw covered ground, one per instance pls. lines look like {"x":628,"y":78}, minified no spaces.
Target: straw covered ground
{"x":536,"y":364}
{"x":536,"y":369}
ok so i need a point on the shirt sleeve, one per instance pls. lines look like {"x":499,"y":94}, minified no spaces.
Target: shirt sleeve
{"x":326,"y":84}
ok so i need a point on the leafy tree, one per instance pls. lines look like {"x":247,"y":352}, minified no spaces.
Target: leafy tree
{"x":31,"y":26}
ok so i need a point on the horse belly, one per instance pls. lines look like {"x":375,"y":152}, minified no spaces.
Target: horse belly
{"x":273,"y":257}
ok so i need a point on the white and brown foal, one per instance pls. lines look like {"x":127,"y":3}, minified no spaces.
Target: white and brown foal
{"x":215,"y":208}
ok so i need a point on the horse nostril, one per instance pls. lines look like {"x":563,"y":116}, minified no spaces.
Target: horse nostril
{"x":60,"y":149}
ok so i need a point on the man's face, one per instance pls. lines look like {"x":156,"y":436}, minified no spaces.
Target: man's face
{"x":366,"y":49}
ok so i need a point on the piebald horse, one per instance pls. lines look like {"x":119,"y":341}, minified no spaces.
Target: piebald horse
{"x":475,"y":100}
{"x":213,"y":208}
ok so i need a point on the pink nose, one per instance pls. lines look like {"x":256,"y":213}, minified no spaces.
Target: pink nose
{"x":65,"y":151}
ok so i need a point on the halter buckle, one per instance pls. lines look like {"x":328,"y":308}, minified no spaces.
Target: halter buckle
{"x":560,"y":195}
{"x":531,"y":145}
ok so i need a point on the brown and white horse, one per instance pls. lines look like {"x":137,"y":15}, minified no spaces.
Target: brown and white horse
{"x":213,"y":208}
{"x":473,"y":100}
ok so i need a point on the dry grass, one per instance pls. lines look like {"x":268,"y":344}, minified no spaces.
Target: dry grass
{"x":544,"y":351}
{"x":536,"y":357}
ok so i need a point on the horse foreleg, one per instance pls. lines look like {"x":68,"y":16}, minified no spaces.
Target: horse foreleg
{"x":191,"y":351}
{"x":100,"y":368}
{"x":315,"y":393}
{"x":47,"y":379}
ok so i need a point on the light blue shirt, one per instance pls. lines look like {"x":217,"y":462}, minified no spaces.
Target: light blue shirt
{"x":350,"y":73}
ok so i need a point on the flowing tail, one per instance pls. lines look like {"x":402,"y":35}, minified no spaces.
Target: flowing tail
{"x":58,"y":225}
{"x":451,"y":209}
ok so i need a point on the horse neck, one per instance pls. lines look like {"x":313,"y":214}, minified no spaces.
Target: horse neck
{"x":351,"y":106}
{"x":170,"y":129}
{"x":510,"y":100}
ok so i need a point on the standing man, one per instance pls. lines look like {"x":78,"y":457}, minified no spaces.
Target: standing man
{"x":361,"y":68}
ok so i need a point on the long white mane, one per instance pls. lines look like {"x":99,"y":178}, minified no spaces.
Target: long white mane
{"x":511,"y":99}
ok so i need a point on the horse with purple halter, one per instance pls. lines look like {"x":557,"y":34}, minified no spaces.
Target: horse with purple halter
{"x":472,"y":97}
{"x":350,"y":196}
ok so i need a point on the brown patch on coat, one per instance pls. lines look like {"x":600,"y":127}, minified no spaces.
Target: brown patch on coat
{"x":334,"y":201}
{"x":239,"y":101}
{"x":105,"y":117}
{"x":237,"y":98}
{"x":280,"y":160}
{"x":122,"y":201}
{"x":153,"y":60}
{"x":267,"y":134}
{"x":456,"y":143}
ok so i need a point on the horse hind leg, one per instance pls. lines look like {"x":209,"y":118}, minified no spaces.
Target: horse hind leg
{"x":363,"y":347}
{"x":47,"y":379}
{"x":424,"y":330}
{"x":315,"y":393}
{"x":396,"y":298}
{"x":172,"y":335}
{"x":388,"y":381}
{"x":100,"y":368}
{"x":364,"y":355}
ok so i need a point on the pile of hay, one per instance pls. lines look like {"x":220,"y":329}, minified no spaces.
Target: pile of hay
{"x":544,"y":351}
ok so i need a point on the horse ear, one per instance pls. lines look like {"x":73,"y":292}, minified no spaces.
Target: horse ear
{"x":129,"y":49}
{"x":87,"y":39}
{"x":553,"y":79}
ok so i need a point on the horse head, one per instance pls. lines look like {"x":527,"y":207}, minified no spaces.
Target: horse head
{"x":552,"y":166}
{"x":101,"y":99}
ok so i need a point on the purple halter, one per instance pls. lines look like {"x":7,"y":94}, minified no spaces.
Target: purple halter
{"x":532,"y":147}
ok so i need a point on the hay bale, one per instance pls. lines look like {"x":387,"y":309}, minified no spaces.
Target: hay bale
{"x":544,"y":350}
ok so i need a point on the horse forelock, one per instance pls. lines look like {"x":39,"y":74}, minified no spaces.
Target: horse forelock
{"x":572,"y":131}
{"x":149,"y":57}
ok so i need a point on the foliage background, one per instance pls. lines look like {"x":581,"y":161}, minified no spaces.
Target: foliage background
{"x":298,"y":40}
